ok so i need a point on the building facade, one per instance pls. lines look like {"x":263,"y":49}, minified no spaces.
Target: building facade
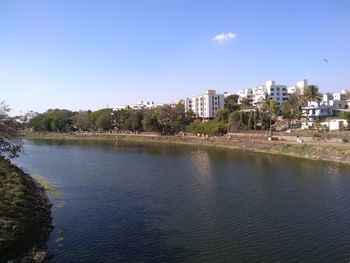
{"x":270,"y":90}
{"x":206,"y":105}
{"x":299,"y":88}
{"x":280,"y":93}
{"x":140,"y":105}
{"x":327,"y":107}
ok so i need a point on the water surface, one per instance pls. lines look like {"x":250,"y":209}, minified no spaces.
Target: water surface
{"x":148,"y":202}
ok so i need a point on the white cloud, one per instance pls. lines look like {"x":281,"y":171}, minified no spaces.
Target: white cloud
{"x":223,"y":38}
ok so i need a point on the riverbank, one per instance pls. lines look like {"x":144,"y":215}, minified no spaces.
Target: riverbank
{"x":283,"y":145}
{"x":25,"y":216}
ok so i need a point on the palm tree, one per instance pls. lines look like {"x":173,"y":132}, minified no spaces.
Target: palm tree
{"x":311,"y":94}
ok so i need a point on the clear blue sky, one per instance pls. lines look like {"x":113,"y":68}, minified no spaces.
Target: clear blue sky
{"x":87,"y":54}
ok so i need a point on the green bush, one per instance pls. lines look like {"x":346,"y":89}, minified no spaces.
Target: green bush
{"x":213,"y":128}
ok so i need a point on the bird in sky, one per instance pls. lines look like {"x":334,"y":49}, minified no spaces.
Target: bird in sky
{"x":326,"y":60}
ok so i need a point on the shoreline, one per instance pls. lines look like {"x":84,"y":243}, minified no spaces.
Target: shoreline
{"x":25,"y":216}
{"x":325,"y":151}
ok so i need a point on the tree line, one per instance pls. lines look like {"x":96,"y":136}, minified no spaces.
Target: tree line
{"x":170,"y":120}
{"x":165,"y":120}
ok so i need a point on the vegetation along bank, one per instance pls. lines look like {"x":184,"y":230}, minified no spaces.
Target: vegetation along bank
{"x":25,"y":216}
{"x":25,"y":211}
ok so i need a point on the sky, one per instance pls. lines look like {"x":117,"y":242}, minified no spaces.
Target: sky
{"x":85,"y":54}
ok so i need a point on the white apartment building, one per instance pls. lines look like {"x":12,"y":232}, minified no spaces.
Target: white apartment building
{"x":270,"y":90}
{"x":280,"y":93}
{"x":206,"y":105}
{"x":340,"y":100}
{"x":244,"y":94}
{"x":299,"y":88}
{"x":327,"y":106}
{"x":140,"y":105}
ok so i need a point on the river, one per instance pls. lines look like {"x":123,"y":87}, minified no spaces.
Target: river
{"x":149,"y":202}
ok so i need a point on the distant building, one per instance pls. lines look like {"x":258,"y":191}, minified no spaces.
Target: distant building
{"x":340,"y":100}
{"x":270,"y":90}
{"x":331,"y":124}
{"x":25,"y":118}
{"x":245,"y":94}
{"x":299,"y":88}
{"x":206,"y":105}
{"x":140,"y":105}
{"x":327,"y":107}
{"x":280,"y":93}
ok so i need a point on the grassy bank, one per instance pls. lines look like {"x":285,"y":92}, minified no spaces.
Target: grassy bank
{"x":25,"y":215}
{"x":335,"y":152}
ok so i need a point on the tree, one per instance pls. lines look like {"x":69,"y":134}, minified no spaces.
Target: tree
{"x":272,"y":107}
{"x":243,"y":120}
{"x":312,"y":93}
{"x":83,"y":120}
{"x":287,"y":112}
{"x":61,"y":120}
{"x":251,"y":120}
{"x":104,"y":121}
{"x":246,"y":103}
{"x":53,"y":120}
{"x":234,"y":121}
{"x":231,"y":103}
{"x":41,"y":122}
{"x":167,"y":119}
{"x":256,"y":118}
{"x":265,"y":120}
{"x":150,"y":121}
{"x":10,"y":144}
{"x":222,"y":115}
{"x":345,"y":115}
{"x":213,"y":127}
{"x":136,"y":118}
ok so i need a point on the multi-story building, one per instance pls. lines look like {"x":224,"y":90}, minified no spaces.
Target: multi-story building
{"x":280,"y":93}
{"x":245,"y":94}
{"x":206,"y":105}
{"x":340,"y":99}
{"x":270,"y":90}
{"x":299,"y":88}
{"x":327,"y":107}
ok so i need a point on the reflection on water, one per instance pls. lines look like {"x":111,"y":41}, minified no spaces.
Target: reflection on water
{"x":149,"y":202}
